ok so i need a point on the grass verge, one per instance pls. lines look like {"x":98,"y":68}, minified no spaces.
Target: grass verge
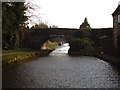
{"x":8,"y":59}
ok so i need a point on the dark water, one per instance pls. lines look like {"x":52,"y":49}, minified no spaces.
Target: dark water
{"x":59,"y":70}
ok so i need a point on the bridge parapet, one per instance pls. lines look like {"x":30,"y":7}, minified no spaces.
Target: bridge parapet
{"x":54,"y":31}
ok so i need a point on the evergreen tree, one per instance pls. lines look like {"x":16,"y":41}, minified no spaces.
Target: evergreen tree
{"x":85,"y":25}
{"x":13,"y":21}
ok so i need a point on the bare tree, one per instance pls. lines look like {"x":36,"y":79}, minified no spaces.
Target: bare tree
{"x":32,"y":16}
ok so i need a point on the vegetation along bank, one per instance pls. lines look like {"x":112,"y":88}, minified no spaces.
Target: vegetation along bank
{"x":9,"y":58}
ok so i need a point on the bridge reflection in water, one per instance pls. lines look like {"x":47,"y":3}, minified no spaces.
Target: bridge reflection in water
{"x":59,"y":70}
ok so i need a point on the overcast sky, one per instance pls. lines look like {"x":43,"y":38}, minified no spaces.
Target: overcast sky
{"x":71,"y":13}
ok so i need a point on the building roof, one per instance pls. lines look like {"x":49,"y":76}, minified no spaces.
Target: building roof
{"x":116,"y":11}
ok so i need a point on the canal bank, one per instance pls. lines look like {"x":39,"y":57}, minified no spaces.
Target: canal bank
{"x":111,"y":59}
{"x":10,"y":58}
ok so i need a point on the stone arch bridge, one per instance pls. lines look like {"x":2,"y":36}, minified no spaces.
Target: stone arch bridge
{"x":39,"y":36}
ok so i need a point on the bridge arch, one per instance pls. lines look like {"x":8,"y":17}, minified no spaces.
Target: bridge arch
{"x":52,"y":42}
{"x":39,"y":36}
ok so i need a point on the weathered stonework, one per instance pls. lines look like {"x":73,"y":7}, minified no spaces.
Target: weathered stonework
{"x":39,"y":36}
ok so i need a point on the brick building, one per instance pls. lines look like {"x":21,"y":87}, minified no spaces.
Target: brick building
{"x":116,"y":26}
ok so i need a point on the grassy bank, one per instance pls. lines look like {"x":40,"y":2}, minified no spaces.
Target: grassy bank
{"x":9,"y":59}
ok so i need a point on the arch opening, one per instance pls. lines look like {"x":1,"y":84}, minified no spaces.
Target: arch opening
{"x":52,"y":44}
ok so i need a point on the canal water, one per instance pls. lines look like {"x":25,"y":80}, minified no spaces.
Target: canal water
{"x":59,"y":70}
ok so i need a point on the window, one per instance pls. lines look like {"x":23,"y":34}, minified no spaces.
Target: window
{"x":118,"y":18}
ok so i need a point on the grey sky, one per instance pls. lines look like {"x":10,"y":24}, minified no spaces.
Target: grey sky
{"x":71,"y":13}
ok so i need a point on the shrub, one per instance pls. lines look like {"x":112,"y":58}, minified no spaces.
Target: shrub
{"x":88,"y":50}
{"x":83,"y":46}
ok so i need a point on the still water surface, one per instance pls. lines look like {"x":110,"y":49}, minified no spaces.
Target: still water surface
{"x":59,"y":70}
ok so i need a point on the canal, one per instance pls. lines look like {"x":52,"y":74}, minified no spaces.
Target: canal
{"x":59,"y":70}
